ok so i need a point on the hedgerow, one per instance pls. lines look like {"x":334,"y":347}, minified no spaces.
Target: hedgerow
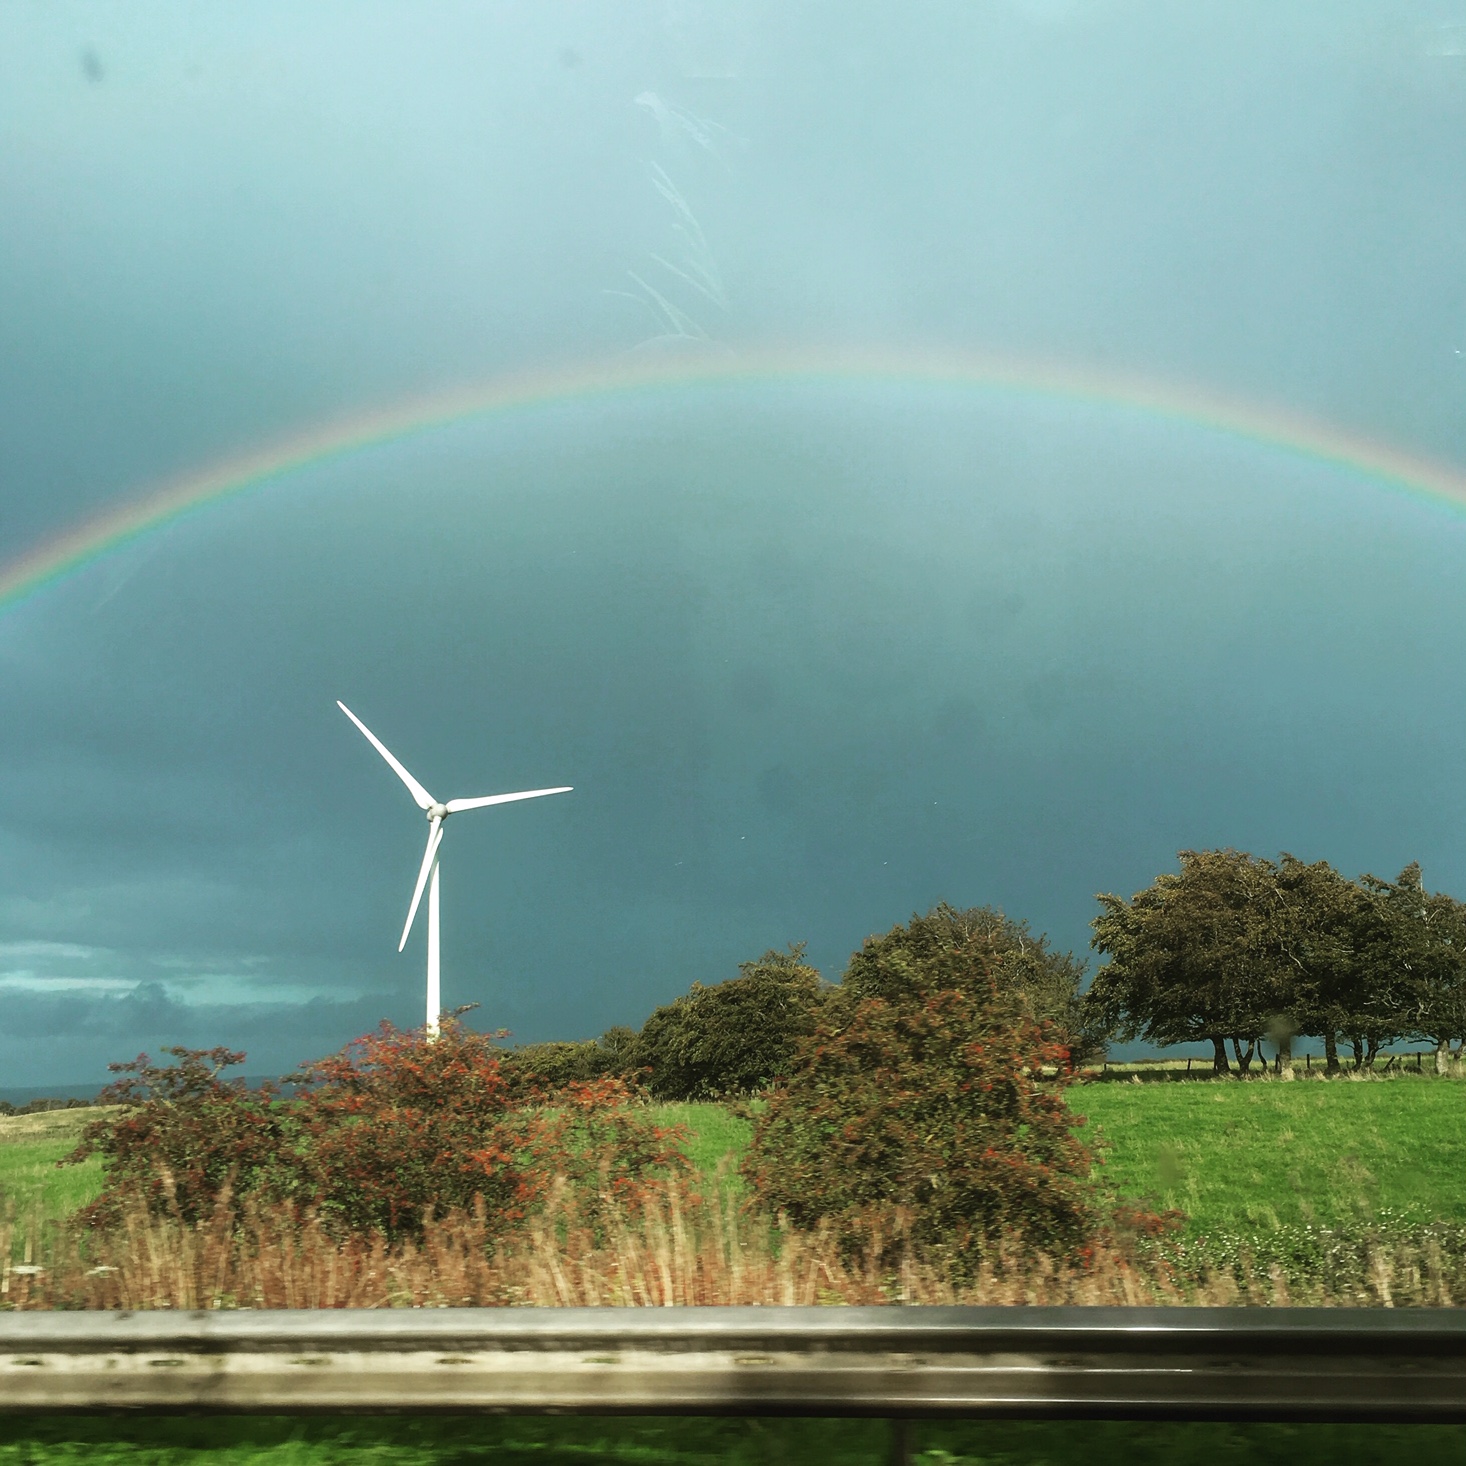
{"x":373,"y":1139}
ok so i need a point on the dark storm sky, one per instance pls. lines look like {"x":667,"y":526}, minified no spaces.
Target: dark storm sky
{"x":814,"y":657}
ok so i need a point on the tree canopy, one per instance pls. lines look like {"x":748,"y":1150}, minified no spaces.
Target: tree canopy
{"x":948,"y":948}
{"x":1237,"y":948}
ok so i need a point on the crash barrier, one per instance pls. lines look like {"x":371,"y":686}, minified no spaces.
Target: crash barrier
{"x":1182,"y":1363}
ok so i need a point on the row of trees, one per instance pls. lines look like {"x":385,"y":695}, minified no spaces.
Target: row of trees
{"x":1236,"y":949}
{"x":739,"y":1036}
{"x":1232,"y":949}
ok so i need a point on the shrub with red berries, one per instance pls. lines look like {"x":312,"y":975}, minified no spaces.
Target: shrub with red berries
{"x":374,"y":1137}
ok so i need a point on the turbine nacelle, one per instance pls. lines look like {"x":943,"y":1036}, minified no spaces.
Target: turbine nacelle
{"x":437,"y":811}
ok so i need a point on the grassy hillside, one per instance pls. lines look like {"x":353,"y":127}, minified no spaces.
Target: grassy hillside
{"x":718,"y":1135}
{"x":30,"y":1181}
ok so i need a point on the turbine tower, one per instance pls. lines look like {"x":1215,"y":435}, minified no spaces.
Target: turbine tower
{"x":437,"y":813}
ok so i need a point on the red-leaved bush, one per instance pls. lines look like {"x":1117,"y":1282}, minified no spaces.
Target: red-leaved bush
{"x":375,"y":1138}
{"x":392,"y":1125}
{"x":182,"y":1134}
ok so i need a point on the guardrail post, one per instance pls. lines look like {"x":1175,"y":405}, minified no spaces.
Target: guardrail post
{"x":901,"y":1450}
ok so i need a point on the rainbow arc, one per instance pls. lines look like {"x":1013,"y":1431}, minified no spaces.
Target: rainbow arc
{"x":1321,"y":442}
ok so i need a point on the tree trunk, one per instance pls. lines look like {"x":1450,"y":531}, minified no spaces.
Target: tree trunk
{"x":1331,"y":1050}
{"x":1357,"y":1044}
{"x":1370,"y":1052}
{"x":1219,"y":1057}
{"x":1244,"y":1058}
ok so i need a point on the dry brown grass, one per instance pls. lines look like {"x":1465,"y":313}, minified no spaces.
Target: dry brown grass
{"x":676,"y":1250}
{"x":49,"y":1125}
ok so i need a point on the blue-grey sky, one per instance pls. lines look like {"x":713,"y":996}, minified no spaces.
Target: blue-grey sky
{"x":813,"y":656}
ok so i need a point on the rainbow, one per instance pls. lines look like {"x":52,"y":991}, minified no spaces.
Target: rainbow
{"x":52,"y":560}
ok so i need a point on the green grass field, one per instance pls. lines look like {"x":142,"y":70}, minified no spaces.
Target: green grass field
{"x":1247,"y":1156}
{"x":1263,"y":1154}
{"x":716,"y":1133}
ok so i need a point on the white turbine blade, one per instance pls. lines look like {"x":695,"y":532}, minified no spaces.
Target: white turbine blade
{"x":456,"y":806}
{"x":424,"y":799}
{"x":435,"y":836}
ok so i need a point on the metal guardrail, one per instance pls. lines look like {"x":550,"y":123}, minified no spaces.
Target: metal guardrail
{"x":1265,"y":1364}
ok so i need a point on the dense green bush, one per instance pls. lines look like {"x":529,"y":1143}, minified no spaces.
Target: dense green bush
{"x":917,"y":1107}
{"x":551,"y":1066}
{"x":948,"y":948}
{"x":736,"y":1037}
{"x":392,"y":1125}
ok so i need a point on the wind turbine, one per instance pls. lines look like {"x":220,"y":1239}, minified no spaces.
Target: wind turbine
{"x":437,"y":813}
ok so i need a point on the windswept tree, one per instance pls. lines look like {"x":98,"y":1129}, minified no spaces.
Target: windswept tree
{"x":1316,"y":921}
{"x":1341,"y":940}
{"x":736,"y":1036}
{"x":1416,"y":951}
{"x":1201,"y":955}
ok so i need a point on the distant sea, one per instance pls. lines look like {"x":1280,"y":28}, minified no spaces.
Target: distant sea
{"x":88,"y":1090}
{"x":20,"y":1097}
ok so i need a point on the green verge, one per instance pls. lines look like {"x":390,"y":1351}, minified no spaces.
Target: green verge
{"x":662,"y":1441}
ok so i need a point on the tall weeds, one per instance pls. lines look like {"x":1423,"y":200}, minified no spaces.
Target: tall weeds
{"x":672,"y":1249}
